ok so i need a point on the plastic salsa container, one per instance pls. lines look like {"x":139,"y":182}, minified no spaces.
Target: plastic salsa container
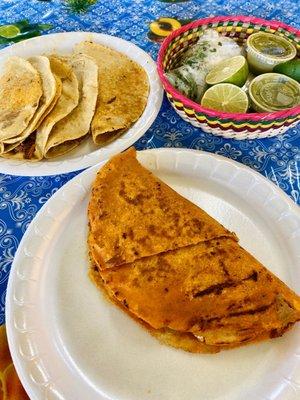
{"x":266,"y":50}
{"x":274,"y":92}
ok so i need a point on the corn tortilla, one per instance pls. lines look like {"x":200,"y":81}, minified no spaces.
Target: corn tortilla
{"x":20,"y":93}
{"x":69,"y":131}
{"x":123,"y":91}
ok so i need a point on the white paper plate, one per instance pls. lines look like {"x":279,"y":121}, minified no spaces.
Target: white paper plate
{"x":68,"y":342}
{"x":87,"y":153}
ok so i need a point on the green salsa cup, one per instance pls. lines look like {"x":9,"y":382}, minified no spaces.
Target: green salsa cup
{"x":274,"y":92}
{"x":266,"y":50}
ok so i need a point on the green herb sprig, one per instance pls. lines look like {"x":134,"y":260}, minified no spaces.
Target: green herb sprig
{"x":79,"y":6}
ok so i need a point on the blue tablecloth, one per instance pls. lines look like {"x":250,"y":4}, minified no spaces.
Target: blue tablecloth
{"x":278,"y":158}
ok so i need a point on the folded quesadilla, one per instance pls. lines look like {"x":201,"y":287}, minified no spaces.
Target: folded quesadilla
{"x":50,"y":104}
{"x":20,"y":93}
{"x":66,"y":103}
{"x":68,"y":132}
{"x":49,"y":86}
{"x":175,"y":269}
{"x":24,"y":148}
{"x":123,"y":91}
{"x":65,"y":100}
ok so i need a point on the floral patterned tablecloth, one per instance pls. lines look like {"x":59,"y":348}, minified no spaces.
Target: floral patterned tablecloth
{"x":138,"y":21}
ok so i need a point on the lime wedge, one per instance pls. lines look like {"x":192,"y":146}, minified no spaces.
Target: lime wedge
{"x":9,"y":31}
{"x":225,"y":97}
{"x":233,"y":70}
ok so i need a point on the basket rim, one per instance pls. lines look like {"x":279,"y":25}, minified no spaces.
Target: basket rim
{"x":292,"y":112}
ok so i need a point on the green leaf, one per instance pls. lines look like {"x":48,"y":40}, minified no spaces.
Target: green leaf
{"x":22,"y":24}
{"x":4,"y":40}
{"x":34,"y":27}
{"x":26,"y":35}
{"x":79,"y":6}
{"x":44,"y":27}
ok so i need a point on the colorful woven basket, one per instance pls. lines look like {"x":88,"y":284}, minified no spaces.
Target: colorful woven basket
{"x":228,"y":125}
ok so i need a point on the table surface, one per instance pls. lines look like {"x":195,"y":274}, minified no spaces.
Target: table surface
{"x":278,"y":158}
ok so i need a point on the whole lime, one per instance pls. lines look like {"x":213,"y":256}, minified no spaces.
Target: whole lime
{"x":290,"y":69}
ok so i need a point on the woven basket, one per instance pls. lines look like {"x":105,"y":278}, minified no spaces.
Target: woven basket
{"x":228,"y":125}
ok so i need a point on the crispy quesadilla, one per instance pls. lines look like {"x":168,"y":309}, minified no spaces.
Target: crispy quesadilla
{"x":175,"y":269}
{"x":123,"y":91}
{"x":133,"y":214}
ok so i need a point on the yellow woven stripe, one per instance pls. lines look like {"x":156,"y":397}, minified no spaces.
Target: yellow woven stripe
{"x":178,"y":104}
{"x":290,"y":120}
{"x":190,"y":113}
{"x":201,"y":118}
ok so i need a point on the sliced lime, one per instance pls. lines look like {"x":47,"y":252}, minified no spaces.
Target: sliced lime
{"x":233,"y":70}
{"x":9,"y":31}
{"x":225,"y":97}
{"x":289,"y":68}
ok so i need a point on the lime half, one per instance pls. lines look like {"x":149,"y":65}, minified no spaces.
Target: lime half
{"x":225,"y":97}
{"x":233,"y":70}
{"x":9,"y":31}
